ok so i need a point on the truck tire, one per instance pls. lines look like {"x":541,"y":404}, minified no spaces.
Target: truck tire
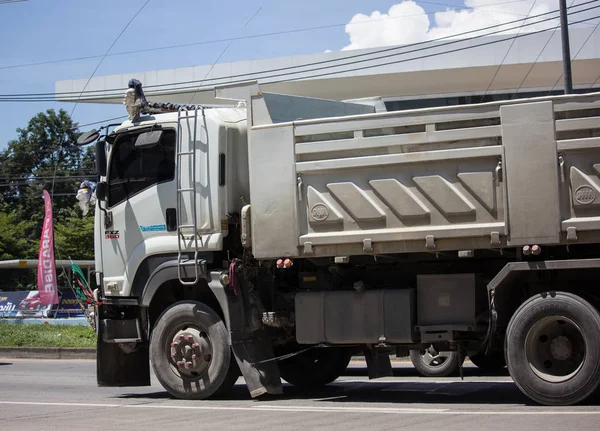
{"x":315,"y":368}
{"x":431,"y":363}
{"x":190,"y":352}
{"x":493,"y":362}
{"x":552,"y":348}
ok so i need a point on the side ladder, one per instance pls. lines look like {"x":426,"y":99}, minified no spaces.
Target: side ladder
{"x":183,"y":260}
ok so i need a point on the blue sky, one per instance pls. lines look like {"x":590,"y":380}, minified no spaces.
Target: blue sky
{"x":46,"y":30}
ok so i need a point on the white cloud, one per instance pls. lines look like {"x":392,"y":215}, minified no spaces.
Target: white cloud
{"x":407,"y":22}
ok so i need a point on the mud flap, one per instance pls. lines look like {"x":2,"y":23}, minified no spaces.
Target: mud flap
{"x":250,"y":344}
{"x":256,"y":361}
{"x":378,"y":363}
{"x":115,"y":368}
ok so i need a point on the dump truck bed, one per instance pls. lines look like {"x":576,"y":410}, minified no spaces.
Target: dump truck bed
{"x":482,"y":176}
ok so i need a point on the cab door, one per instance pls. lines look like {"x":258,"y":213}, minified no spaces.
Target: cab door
{"x":140,"y":201}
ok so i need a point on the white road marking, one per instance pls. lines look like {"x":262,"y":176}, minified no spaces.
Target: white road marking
{"x":33,"y":403}
{"x":317,"y":409}
{"x":269,"y":408}
{"x":525,"y":413}
{"x":379,"y":380}
{"x":418,"y":386}
{"x":350,"y":408}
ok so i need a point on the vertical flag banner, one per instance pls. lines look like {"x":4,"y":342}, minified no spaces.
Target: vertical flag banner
{"x":47,"y":285}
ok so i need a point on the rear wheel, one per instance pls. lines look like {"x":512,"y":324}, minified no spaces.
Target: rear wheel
{"x":190,"y":352}
{"x":315,"y":368}
{"x":552,"y":348}
{"x":431,"y":363}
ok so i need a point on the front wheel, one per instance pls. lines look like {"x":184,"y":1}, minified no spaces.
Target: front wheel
{"x":190,"y":352}
{"x":315,"y":368}
{"x":431,"y":363}
{"x":552,"y":348}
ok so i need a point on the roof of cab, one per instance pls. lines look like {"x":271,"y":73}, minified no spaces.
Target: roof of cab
{"x":225,"y":115}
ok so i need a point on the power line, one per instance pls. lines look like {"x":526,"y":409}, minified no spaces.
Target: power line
{"x":107,"y":92}
{"x":28,"y":180}
{"x":32,"y":182}
{"x":44,"y":152}
{"x":105,"y":54}
{"x":61,"y":178}
{"x":221,"y":55}
{"x":58,"y":181}
{"x":577,"y":53}
{"x":260,"y":35}
{"x":88,"y":81}
{"x":379,"y":51}
{"x":594,"y":83}
{"x":99,"y":122}
{"x":395,"y":48}
{"x":178,"y":90}
{"x":537,"y":58}
{"x":506,"y":55}
{"x":29,"y":176}
{"x":430,"y":55}
{"x":433,"y":55}
{"x":479,"y":9}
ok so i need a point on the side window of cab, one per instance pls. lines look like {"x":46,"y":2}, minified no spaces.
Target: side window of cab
{"x":139,"y":161}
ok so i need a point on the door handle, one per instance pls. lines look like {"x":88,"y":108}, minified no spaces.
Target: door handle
{"x":171,"y":219}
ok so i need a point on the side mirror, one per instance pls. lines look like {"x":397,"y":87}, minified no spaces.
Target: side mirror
{"x":88,"y":137}
{"x":101,"y":189}
{"x":100,"y":159}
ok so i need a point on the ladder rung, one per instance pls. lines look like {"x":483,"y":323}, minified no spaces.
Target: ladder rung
{"x":187,"y":233}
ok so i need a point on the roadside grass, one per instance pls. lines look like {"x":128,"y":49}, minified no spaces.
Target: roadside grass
{"x":12,"y":335}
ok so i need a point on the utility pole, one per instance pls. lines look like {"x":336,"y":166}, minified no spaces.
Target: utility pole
{"x":566,"y":50}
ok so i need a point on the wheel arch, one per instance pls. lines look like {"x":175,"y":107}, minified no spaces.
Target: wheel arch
{"x":519,"y":281}
{"x":163,"y":289}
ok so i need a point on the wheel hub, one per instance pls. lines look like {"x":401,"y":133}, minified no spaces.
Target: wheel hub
{"x":561,"y":348}
{"x":555,"y":349}
{"x":191,"y":351}
{"x":432,"y":357}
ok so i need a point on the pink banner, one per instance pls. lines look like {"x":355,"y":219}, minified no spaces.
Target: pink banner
{"x":47,"y":285}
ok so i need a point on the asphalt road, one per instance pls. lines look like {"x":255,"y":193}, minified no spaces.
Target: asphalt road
{"x":62,"y":395}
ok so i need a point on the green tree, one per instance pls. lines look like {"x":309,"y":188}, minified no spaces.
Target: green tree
{"x":45,"y":156}
{"x":73,"y":238}
{"x":14,"y":237}
{"x":16,"y":243}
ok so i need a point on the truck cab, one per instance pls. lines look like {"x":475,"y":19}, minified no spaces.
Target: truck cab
{"x":153,"y":203}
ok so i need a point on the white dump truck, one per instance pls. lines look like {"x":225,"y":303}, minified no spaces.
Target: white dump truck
{"x":276,"y":238}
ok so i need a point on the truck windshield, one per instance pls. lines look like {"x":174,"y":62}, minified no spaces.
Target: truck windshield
{"x":132,"y":169}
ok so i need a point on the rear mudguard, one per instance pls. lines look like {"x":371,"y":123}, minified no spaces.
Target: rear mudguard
{"x":251,"y":347}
